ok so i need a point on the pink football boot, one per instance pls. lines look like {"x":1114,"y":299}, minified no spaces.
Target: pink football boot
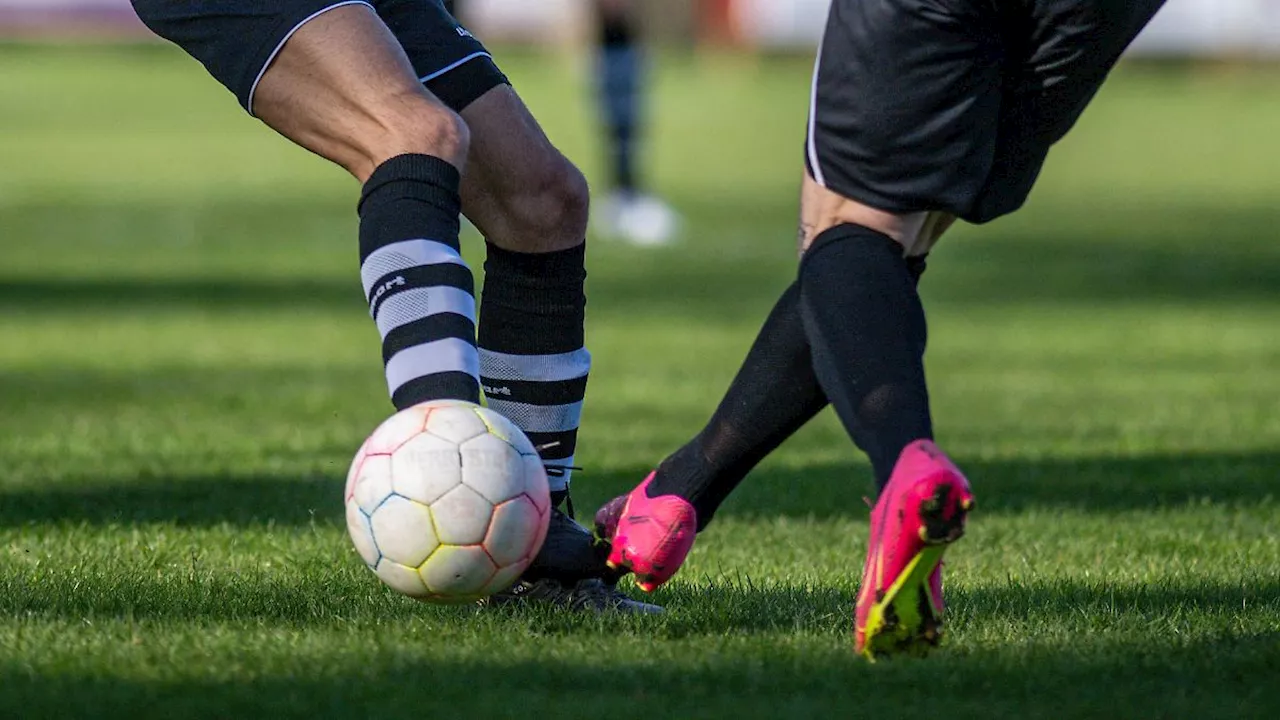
{"x":921,"y":511}
{"x":651,"y":537}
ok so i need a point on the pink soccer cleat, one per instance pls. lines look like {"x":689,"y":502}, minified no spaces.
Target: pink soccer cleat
{"x":921,"y":511}
{"x":651,"y":537}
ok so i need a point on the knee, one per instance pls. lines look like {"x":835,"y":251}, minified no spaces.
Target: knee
{"x":567,"y":197}
{"x":413,"y":125}
{"x":550,"y":205}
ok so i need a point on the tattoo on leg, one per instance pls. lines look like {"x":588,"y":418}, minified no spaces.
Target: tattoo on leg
{"x":804,"y":236}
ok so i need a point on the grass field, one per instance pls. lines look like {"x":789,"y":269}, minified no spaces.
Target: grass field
{"x":186,"y":367}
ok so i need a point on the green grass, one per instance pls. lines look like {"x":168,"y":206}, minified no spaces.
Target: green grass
{"x":186,"y":368}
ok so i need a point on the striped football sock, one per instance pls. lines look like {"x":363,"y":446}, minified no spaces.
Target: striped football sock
{"x":533,"y":364}
{"x":420,"y":292}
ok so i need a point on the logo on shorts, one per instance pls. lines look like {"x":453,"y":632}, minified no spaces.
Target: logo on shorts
{"x":463,"y":32}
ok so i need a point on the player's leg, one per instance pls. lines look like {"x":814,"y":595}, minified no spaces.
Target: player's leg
{"x":866,"y":181}
{"x":895,"y":146}
{"x":863,"y":318}
{"x":867,"y":280}
{"x":629,"y":212}
{"x":530,"y":203}
{"x":331,"y":77}
{"x":343,"y":88}
{"x":855,"y":274}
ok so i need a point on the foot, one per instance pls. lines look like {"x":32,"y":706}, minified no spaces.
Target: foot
{"x":921,"y":511}
{"x":592,"y":595}
{"x":637,"y":219}
{"x":569,"y":554}
{"x":650,"y":537}
{"x":570,"y":572}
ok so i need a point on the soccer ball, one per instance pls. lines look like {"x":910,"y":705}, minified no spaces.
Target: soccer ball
{"x":447,"y":502}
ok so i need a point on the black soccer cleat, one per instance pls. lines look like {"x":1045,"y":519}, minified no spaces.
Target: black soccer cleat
{"x":592,"y":595}
{"x":570,"y":571}
{"x":570,"y":552}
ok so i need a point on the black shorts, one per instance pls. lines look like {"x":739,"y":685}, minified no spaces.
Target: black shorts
{"x":237,"y":40}
{"x":952,"y":105}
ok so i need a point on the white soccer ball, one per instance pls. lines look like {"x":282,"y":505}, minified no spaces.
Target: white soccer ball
{"x":447,"y":502}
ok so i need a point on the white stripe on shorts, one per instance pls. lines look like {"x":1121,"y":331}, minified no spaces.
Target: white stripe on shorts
{"x":812,"y":141}
{"x":453,"y":66}
{"x":272,"y":57}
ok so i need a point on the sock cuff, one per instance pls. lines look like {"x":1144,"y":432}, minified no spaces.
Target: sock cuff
{"x":414,"y":168}
{"x":538,"y":268}
{"x":542,"y":290}
{"x":410,"y":197}
{"x":848,"y":232}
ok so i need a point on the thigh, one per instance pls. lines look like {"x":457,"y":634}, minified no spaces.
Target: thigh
{"x":1059,"y":55}
{"x":236,"y":40}
{"x":343,"y":88}
{"x":1074,"y":45}
{"x":454,"y":65}
{"x":905,"y":101}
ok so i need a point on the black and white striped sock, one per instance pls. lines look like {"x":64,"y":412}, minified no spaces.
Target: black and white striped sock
{"x":533,"y":365}
{"x":420,"y":292}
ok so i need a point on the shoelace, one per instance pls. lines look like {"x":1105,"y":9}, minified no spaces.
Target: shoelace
{"x":593,"y":593}
{"x":556,"y":470}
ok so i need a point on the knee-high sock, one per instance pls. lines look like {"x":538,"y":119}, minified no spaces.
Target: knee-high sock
{"x":774,"y":394}
{"x":866,"y":327}
{"x":533,"y":361}
{"x":420,"y":292}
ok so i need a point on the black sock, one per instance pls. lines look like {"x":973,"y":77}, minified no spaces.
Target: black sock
{"x":420,"y":292}
{"x":533,"y":362}
{"x":773,"y":395}
{"x":866,"y":327}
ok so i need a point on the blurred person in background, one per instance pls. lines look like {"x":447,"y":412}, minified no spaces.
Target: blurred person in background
{"x":629,"y":212}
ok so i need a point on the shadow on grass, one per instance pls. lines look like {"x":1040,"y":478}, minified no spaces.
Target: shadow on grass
{"x":713,"y":607}
{"x":1141,"y":250}
{"x":1100,"y":484}
{"x":1220,"y":676}
{"x":822,"y":492}
{"x":341,"y":591}
{"x":344,"y":593}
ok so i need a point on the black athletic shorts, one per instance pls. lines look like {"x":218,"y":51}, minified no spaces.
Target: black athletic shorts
{"x":952,"y":105}
{"x":237,"y":40}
